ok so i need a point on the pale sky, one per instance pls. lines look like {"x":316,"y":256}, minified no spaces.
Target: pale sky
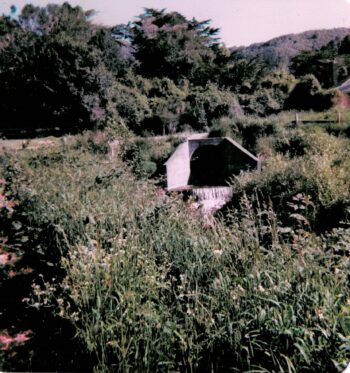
{"x":241,"y":22}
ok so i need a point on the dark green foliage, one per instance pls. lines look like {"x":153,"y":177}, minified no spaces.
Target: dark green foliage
{"x":147,"y":156}
{"x":51,"y":76}
{"x":252,"y":129}
{"x":69,"y":67}
{"x":56,"y":20}
{"x":344,"y":47}
{"x":112,"y":52}
{"x":169,"y":45}
{"x":320,"y":64}
{"x":294,"y":144}
{"x":261,"y":103}
{"x":8,"y":26}
{"x":330,"y":64}
{"x":308,"y":95}
{"x":316,"y":170}
{"x":50,"y":82}
{"x":167,"y":101}
{"x":241,"y":75}
{"x":223,"y":127}
{"x":267,"y":94}
{"x":131,"y":105}
{"x":207,"y":104}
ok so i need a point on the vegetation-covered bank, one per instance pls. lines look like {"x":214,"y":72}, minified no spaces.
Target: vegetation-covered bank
{"x":146,"y":285}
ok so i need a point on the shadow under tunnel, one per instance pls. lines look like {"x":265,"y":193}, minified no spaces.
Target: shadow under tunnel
{"x":207,"y":166}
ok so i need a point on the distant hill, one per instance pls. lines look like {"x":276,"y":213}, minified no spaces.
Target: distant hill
{"x":279,"y":51}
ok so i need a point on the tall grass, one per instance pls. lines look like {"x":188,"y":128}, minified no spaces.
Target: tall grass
{"x":150,"y":287}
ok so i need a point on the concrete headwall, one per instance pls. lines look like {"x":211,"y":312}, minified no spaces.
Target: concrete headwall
{"x":178,"y":168}
{"x":208,"y":162}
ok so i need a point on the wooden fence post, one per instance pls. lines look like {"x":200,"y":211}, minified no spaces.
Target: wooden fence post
{"x":297,"y":119}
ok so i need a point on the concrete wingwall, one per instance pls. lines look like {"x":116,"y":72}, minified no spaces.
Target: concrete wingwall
{"x":236,"y":160}
{"x":208,"y":162}
{"x":178,"y":167}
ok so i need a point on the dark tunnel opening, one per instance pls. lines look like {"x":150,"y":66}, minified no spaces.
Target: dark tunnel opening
{"x":207,"y":166}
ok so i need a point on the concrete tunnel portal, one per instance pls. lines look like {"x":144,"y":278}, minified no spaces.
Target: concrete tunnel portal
{"x":208,"y":162}
{"x":206,"y":166}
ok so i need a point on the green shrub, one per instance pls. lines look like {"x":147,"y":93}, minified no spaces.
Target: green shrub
{"x":131,"y":105}
{"x":250,"y":129}
{"x":322,"y":177}
{"x":204,"y":105}
{"x":223,"y":127}
{"x":294,"y":144}
{"x":308,"y":95}
{"x":146,"y":157}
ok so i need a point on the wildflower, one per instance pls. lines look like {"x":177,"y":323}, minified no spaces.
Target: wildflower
{"x":240,"y":288}
{"x":207,"y":224}
{"x":8,"y":259}
{"x":160,"y":192}
{"x":192,"y":206}
{"x":22,"y":337}
{"x":319,"y":314}
{"x":6,"y":203}
{"x":217,"y":253}
{"x":6,"y":341}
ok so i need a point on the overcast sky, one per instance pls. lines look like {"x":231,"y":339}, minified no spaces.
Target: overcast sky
{"x":241,"y":22}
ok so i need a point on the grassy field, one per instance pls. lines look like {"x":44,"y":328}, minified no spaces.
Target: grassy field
{"x":120,"y":276}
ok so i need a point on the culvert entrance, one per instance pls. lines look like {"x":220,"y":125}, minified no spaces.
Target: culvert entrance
{"x":207,"y":166}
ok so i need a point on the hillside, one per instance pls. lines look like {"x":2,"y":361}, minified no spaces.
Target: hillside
{"x":280,"y":50}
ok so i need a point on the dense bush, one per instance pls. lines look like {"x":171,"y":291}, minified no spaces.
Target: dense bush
{"x":48,"y":83}
{"x":167,"y":101}
{"x":131,"y":105}
{"x":320,"y":177}
{"x":251,"y":129}
{"x":308,"y":95}
{"x":147,"y":156}
{"x":293,"y":143}
{"x":203,"y":105}
{"x":223,"y":127}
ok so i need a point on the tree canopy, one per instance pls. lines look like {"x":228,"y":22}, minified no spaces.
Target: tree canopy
{"x":162,"y":72}
{"x":169,"y":45}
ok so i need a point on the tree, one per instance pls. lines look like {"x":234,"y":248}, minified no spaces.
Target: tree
{"x":206,"y":104}
{"x":320,"y":64}
{"x":55,"y":68}
{"x":8,"y":27}
{"x":114,"y":54}
{"x":308,"y":95}
{"x":241,"y":75}
{"x":47,"y":81}
{"x":60,"y":20}
{"x":169,"y":45}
